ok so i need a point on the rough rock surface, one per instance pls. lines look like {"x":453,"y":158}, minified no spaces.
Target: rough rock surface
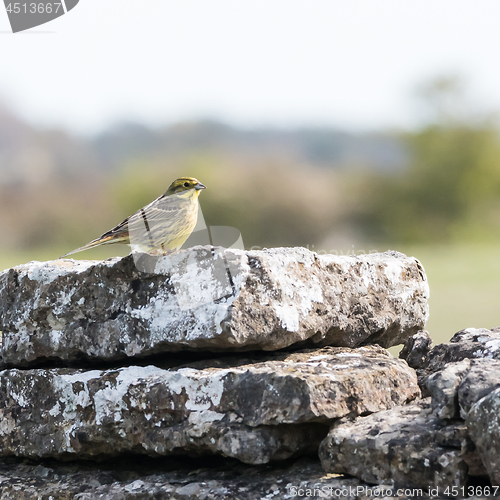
{"x":483,"y":422}
{"x":253,"y":410}
{"x":416,"y":349}
{"x":482,"y":378}
{"x":462,"y":377}
{"x":455,"y":389}
{"x":406,"y":446}
{"x":443,"y":386}
{"x":302,"y":479}
{"x":471,"y":343}
{"x":207,"y":298}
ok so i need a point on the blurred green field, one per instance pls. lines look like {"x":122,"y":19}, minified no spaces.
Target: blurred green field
{"x":464,"y":282}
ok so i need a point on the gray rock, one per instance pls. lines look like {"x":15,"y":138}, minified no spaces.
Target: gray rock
{"x":406,"y":446}
{"x":3,"y":366}
{"x":471,"y":343}
{"x":443,"y":387}
{"x":415,"y":352}
{"x":483,"y":422}
{"x":482,"y":378}
{"x":191,"y":481}
{"x":207,"y":298}
{"x":416,"y":349}
{"x":456,"y":435}
{"x":255,"y":410}
{"x":457,"y":387}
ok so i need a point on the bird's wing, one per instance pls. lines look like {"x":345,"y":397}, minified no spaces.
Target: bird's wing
{"x":163,"y":210}
{"x":143,"y":226}
{"x":161,"y":223}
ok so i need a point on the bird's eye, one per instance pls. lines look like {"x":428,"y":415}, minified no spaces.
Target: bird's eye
{"x":186,"y":184}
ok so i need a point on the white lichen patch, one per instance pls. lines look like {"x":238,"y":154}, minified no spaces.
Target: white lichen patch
{"x":289,"y":316}
{"x":111,"y":402}
{"x":203,"y":293}
{"x":471,"y":331}
{"x":492,"y":346}
{"x":203,"y":296}
{"x":320,"y":356}
{"x":47,"y":272}
{"x":55,"y":410}
{"x":135,"y":486}
{"x":133,"y":348}
{"x":56,"y":336}
{"x":72,"y":400}
{"x":203,"y":389}
{"x":63,"y":300}
{"x":200,"y":281}
{"x":166,"y":321}
{"x":201,"y":421}
{"x":393,"y":270}
{"x":297,"y":296}
{"x":7,"y":424}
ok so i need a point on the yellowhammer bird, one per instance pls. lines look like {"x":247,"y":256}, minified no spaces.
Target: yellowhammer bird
{"x":165,"y":223}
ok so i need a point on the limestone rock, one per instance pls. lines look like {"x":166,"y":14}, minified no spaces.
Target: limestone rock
{"x":443,"y":386}
{"x":415,"y":352}
{"x":207,"y":299}
{"x":462,"y":389}
{"x":483,"y":422}
{"x":416,"y":349}
{"x":406,"y":446}
{"x":185,"y":480}
{"x":482,"y":378}
{"x":256,"y":410}
{"x":459,"y":385}
{"x":455,"y":389}
{"x":471,"y":343}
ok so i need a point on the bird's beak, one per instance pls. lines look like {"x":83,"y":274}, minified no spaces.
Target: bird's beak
{"x":200,"y":186}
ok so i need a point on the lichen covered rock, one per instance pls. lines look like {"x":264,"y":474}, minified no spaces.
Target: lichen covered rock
{"x":483,"y":422}
{"x":471,"y":343}
{"x":184,"y":480}
{"x":207,"y":298}
{"x":407,"y":446}
{"x":254,"y":410}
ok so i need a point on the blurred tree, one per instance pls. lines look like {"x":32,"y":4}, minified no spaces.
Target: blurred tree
{"x":451,"y":188}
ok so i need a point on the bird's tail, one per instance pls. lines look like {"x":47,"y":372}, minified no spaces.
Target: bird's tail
{"x":92,"y":244}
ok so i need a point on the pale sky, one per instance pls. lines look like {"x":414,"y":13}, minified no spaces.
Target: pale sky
{"x":344,"y":63}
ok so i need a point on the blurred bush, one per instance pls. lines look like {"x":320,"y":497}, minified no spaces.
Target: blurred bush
{"x":450,"y":189}
{"x":309,"y":187}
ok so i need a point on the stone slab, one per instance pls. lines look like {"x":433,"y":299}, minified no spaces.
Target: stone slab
{"x":406,"y":446}
{"x":196,"y":480}
{"x":253,"y":410}
{"x":483,"y":422}
{"x":207,"y":299}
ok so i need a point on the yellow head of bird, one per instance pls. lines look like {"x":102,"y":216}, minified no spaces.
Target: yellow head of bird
{"x":185,"y":184}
